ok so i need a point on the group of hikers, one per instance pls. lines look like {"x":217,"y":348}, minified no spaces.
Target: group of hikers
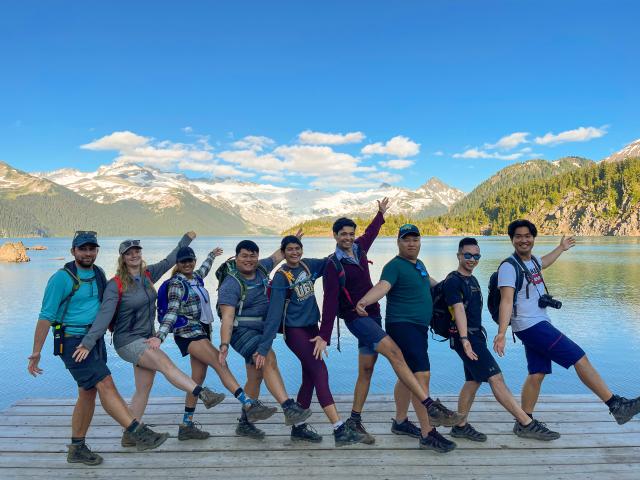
{"x":254,"y":305}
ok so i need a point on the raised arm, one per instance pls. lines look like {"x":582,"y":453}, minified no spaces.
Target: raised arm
{"x":373,"y":229}
{"x":157,"y":270}
{"x":378,"y":291}
{"x":565,"y":244}
{"x":205,"y":268}
{"x":278,"y":256}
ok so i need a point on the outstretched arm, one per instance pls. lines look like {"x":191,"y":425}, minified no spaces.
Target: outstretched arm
{"x":372,"y":296}
{"x":565,"y":244}
{"x":157,"y":270}
{"x":373,"y":229}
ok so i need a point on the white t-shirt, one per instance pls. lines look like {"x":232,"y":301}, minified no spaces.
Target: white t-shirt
{"x":528,"y":312}
{"x":206,"y":315}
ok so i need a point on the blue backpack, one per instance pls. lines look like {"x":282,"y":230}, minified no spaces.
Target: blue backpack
{"x":163,"y":300}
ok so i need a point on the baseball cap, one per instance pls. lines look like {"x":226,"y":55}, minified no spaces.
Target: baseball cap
{"x":185,"y":253}
{"x":127,"y":244}
{"x":408,"y":229}
{"x":84,"y":237}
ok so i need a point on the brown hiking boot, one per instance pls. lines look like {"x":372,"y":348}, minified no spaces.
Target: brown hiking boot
{"x":83,"y":454}
{"x":356,"y":425}
{"x":441,"y":415}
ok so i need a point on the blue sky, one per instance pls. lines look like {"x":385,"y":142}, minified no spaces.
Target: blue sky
{"x":409,"y":89}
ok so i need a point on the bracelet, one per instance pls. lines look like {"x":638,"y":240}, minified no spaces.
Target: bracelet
{"x":464,"y":338}
{"x":224,"y":345}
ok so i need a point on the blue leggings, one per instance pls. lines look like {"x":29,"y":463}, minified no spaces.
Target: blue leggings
{"x":314,"y":372}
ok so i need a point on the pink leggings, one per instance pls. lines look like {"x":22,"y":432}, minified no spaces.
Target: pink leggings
{"x":314,"y":372}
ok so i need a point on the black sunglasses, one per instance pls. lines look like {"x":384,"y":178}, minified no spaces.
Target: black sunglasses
{"x":469,"y":256}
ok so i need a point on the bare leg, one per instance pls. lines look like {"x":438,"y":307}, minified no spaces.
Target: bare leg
{"x":332,"y":413}
{"x":402,"y":396}
{"x":506,"y":399}
{"x":198,"y":374}
{"x":254,"y":379}
{"x":366,"y":364}
{"x":466,"y":398}
{"x":158,"y":360}
{"x":206,"y":353}
{"x":273,"y":379}
{"x":83,"y":412}
{"x":422,"y":378}
{"x":390,"y":350}
{"x":113,"y":403}
{"x":144,"y":382}
{"x":592,"y":379}
{"x":531,"y":391}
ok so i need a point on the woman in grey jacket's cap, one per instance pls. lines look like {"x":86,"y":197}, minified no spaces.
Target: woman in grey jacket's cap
{"x":130,"y":299}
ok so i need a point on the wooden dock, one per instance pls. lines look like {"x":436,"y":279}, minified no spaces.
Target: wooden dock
{"x":34,"y":434}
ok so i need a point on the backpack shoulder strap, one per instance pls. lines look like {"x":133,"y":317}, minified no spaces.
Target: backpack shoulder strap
{"x":466,"y":289}
{"x":101,"y":280}
{"x":118,"y":281}
{"x":70,"y":269}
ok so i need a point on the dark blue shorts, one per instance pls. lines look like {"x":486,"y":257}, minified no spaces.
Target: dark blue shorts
{"x":544,"y":343}
{"x":93,"y":369}
{"x":246,"y":341}
{"x":482,"y":369}
{"x":413,"y":340}
{"x":368,"y":331}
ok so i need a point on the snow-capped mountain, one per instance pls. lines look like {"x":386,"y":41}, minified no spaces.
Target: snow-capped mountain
{"x":268,"y":206}
{"x":630,"y":151}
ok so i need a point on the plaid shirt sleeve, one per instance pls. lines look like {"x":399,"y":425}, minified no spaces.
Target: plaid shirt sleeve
{"x":175,"y":294}
{"x":205,"y":268}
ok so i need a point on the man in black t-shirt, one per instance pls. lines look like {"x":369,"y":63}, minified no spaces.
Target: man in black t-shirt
{"x":464,"y":298}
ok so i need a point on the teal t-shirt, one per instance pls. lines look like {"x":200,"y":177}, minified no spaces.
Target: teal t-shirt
{"x":409,"y":299}
{"x":84,"y":304}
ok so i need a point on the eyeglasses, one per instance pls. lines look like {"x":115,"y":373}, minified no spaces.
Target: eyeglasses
{"x":84,"y":232}
{"x":421,"y":269}
{"x":469,"y":256}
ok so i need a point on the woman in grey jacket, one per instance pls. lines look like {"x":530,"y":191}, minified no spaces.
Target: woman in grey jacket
{"x":130,"y":299}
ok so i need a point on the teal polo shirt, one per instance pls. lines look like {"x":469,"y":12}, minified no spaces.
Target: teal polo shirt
{"x":409,"y":299}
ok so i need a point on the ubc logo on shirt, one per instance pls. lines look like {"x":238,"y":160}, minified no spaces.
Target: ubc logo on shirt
{"x":303,"y":286}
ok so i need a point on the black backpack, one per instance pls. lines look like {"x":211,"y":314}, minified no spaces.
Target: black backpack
{"x":443,"y":322}
{"x":493,"y":300}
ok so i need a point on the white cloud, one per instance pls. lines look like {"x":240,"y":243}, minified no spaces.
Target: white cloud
{"x":342,"y":181}
{"x":581,"y":134}
{"x":187,"y":129}
{"x":251,"y":160}
{"x":510,"y":141}
{"x":272,"y":178}
{"x":385,"y":177}
{"x":439,"y":153}
{"x":314,"y":160}
{"x":216,"y":169}
{"x":398,"y":146}
{"x":117,"y":141}
{"x":253,"y":142}
{"x":397,"y":164}
{"x":476,"y":153}
{"x":319,"y":138}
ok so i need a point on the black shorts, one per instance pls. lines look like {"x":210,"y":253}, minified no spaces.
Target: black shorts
{"x":183,"y":342}
{"x":92,"y":369}
{"x":413,"y":342}
{"x":477,"y":370}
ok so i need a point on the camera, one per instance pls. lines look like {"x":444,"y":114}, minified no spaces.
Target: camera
{"x":547,"y":300}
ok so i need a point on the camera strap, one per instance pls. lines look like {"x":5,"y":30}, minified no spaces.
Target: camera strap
{"x":529,"y":275}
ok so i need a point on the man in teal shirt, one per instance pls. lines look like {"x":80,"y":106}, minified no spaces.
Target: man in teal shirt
{"x":70,"y":304}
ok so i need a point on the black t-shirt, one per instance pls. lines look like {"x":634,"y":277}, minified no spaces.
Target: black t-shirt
{"x":456,"y":287}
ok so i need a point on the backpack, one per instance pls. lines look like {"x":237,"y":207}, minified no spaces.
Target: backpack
{"x":72,"y":270}
{"x":163,"y":299}
{"x":229,"y":269}
{"x":118,"y":280}
{"x":290,"y":280}
{"x":493,"y":300}
{"x":443,"y":321}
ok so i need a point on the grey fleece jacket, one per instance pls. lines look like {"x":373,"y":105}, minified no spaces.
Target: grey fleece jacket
{"x":137,"y":310}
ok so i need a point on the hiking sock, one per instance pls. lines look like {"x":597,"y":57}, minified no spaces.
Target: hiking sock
{"x":427,"y":402}
{"x":197,"y":390}
{"x":77,"y":440}
{"x":337,"y":425}
{"x":611,"y":401}
{"x":298,"y":425}
{"x":242,"y":397}
{"x":530,"y":415}
{"x":187,"y":419}
{"x":357,"y":416}
{"x":131,"y":428}
{"x":287,"y":403}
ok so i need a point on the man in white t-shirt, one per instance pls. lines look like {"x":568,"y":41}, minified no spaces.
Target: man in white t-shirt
{"x":543,"y":343}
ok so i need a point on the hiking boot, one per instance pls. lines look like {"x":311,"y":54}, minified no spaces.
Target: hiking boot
{"x":405,"y":428}
{"x":258,"y":411}
{"x":294,"y":413}
{"x":249,"y":430}
{"x":439,"y":415}
{"x":536,"y":430}
{"x":436,"y":442}
{"x":345,"y":435}
{"x":305,"y":433}
{"x":467,"y":431}
{"x":147,"y":439}
{"x":624,"y":409}
{"x":356,"y":425}
{"x":82,"y":454}
{"x":192,"y":432}
{"x":127,"y":440}
{"x":210,"y":398}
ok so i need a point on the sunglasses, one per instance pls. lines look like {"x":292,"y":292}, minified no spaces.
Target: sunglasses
{"x":421,"y":269}
{"x":469,"y":256}
{"x":84,"y":232}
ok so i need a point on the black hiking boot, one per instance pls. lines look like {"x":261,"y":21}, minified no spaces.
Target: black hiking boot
{"x":436,"y":442}
{"x":305,"y":433}
{"x":192,"y":432}
{"x":82,"y":454}
{"x":467,"y":431}
{"x":357,"y":425}
{"x":439,"y":415}
{"x":405,"y":428}
{"x":258,"y":411}
{"x":294,"y":413}
{"x":248,"y":429}
{"x":209,"y":397}
{"x":147,"y":439}
{"x":536,"y":430}
{"x":345,"y":435}
{"x":624,"y":409}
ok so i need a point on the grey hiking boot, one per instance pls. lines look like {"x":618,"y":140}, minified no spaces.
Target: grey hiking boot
{"x":147,"y":439}
{"x":356,"y":425}
{"x":536,"y":430}
{"x":467,"y":431}
{"x":405,"y":428}
{"x":249,"y":430}
{"x":294,"y":413}
{"x":624,"y":409}
{"x":345,"y":435}
{"x":209,"y":397}
{"x":258,"y":411}
{"x":127,"y":440}
{"x":305,"y":433}
{"x":436,"y":442}
{"x":439,"y":415}
{"x":192,"y":432}
{"x":82,"y":454}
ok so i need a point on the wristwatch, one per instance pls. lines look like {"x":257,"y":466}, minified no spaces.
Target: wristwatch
{"x":224,"y":345}
{"x":464,"y":338}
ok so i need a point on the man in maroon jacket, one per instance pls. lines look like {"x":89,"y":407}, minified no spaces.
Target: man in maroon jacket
{"x":347,"y":280}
